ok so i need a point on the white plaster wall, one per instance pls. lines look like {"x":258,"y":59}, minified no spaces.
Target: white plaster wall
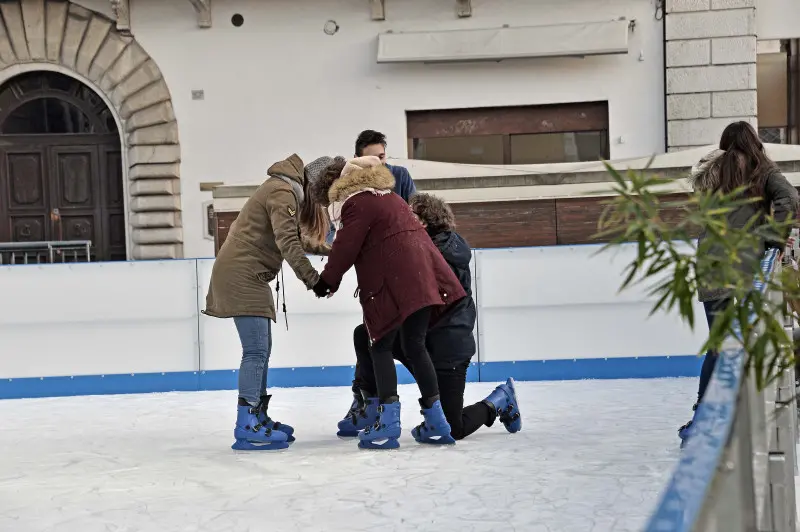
{"x":778,"y":19}
{"x":279,"y":85}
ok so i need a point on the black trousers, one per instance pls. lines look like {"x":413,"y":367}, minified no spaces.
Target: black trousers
{"x":411,"y":334}
{"x":451,"y":380}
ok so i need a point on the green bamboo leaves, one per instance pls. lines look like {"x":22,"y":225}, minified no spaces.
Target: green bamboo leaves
{"x":670,"y":261}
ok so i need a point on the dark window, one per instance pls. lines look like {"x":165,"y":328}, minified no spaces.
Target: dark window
{"x":567,"y":147}
{"x":773,"y":95}
{"x":511,"y":135}
{"x":772,"y":135}
{"x":47,"y":115}
{"x":42,"y":103}
{"x":480,"y":149}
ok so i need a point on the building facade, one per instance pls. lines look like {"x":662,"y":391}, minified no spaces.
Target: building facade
{"x":118,"y":117}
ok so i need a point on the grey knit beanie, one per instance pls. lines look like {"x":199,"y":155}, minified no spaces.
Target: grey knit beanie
{"x":313,"y":169}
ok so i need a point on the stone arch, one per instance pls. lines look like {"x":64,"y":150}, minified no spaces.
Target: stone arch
{"x":62,"y":36}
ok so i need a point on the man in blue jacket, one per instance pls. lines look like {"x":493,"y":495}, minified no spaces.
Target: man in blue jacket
{"x":371,"y":142}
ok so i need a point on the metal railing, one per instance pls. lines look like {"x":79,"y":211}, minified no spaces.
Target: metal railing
{"x":45,"y":252}
{"x":737,"y":470}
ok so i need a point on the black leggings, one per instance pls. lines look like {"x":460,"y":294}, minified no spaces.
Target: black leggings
{"x":451,"y":380}
{"x":412,"y":333}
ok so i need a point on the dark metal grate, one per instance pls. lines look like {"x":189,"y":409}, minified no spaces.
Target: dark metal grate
{"x":772,"y":135}
{"x":45,"y":252}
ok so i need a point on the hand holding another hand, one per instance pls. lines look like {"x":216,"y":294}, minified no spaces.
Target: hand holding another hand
{"x":322,"y":289}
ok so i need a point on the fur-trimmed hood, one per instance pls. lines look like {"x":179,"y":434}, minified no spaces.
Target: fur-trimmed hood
{"x":372,"y":178}
{"x":705,"y":174}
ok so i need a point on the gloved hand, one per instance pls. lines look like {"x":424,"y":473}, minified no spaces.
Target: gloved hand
{"x":322,"y":289}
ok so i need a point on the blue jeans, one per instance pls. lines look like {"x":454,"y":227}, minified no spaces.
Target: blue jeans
{"x":256,"y":338}
{"x":712,"y":308}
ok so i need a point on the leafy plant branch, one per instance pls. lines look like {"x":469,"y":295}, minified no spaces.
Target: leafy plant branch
{"x":674,"y":263}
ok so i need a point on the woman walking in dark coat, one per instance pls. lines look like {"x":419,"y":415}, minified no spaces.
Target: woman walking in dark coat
{"x":404,"y":285}
{"x":450,"y":342}
{"x":740,"y":161}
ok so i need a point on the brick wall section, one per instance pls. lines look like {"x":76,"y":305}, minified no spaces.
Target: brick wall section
{"x":710,"y":69}
{"x":552,"y":222}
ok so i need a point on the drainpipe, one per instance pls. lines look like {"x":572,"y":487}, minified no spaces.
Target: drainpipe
{"x":661,"y":11}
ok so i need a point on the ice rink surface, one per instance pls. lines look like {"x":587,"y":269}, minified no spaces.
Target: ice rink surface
{"x":592,"y":456}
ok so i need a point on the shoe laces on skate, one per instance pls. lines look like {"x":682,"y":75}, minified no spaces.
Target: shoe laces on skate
{"x":354,"y":414}
{"x":257,"y":427}
{"x":377,"y":425}
{"x":508,"y":415}
{"x":268,"y":423}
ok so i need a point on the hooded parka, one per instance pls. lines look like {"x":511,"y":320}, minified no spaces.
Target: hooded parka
{"x":266,"y":232}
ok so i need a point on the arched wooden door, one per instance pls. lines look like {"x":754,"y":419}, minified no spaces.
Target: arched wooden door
{"x":60,"y":165}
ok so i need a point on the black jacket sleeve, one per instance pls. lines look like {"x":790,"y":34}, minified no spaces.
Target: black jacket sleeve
{"x":783,"y":197}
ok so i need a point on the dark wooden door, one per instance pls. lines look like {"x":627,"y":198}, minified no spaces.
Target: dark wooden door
{"x":24,"y":209}
{"x":58,"y":189}
{"x":60,"y":166}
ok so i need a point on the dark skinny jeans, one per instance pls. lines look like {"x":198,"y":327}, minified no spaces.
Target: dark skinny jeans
{"x":712,"y":308}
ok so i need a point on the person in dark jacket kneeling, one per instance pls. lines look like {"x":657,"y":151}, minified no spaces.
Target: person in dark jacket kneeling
{"x":404,"y":285}
{"x":450,"y":342}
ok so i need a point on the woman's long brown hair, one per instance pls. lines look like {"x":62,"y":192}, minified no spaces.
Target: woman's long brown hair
{"x":744,"y":163}
{"x":314,"y":221}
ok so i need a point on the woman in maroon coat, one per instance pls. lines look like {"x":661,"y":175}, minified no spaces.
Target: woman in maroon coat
{"x":404,"y":285}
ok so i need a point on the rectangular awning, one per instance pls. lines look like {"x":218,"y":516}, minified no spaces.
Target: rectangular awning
{"x":496,"y":44}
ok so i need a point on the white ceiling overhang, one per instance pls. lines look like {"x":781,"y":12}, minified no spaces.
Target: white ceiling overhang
{"x":496,"y":44}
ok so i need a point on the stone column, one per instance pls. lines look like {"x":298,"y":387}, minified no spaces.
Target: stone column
{"x":710,"y":69}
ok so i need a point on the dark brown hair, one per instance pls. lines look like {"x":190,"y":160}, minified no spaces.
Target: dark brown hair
{"x":318,"y":191}
{"x":434,"y":212}
{"x":368,"y":138}
{"x":744,"y":163}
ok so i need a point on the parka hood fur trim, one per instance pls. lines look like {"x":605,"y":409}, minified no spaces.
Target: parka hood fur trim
{"x":705,"y":174}
{"x":377,"y":178}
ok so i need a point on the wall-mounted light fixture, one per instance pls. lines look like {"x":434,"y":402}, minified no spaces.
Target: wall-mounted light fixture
{"x":331,"y":27}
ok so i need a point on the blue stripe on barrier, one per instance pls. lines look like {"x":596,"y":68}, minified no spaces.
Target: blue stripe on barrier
{"x":593,"y":368}
{"x":530,"y":370}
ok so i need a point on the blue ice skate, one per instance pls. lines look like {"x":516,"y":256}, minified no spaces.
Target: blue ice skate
{"x":264,"y":419}
{"x":386,"y":430}
{"x":435,"y":429}
{"x":362,"y":414}
{"x":251,"y":435}
{"x":504,"y":401}
{"x":685,"y":431}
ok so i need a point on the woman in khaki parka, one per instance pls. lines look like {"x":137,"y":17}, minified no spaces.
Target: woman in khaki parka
{"x":275,"y":224}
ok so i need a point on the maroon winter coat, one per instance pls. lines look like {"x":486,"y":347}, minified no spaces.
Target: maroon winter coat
{"x":399,"y":269}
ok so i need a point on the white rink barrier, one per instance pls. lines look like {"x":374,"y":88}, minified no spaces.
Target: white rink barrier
{"x":546,"y":313}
